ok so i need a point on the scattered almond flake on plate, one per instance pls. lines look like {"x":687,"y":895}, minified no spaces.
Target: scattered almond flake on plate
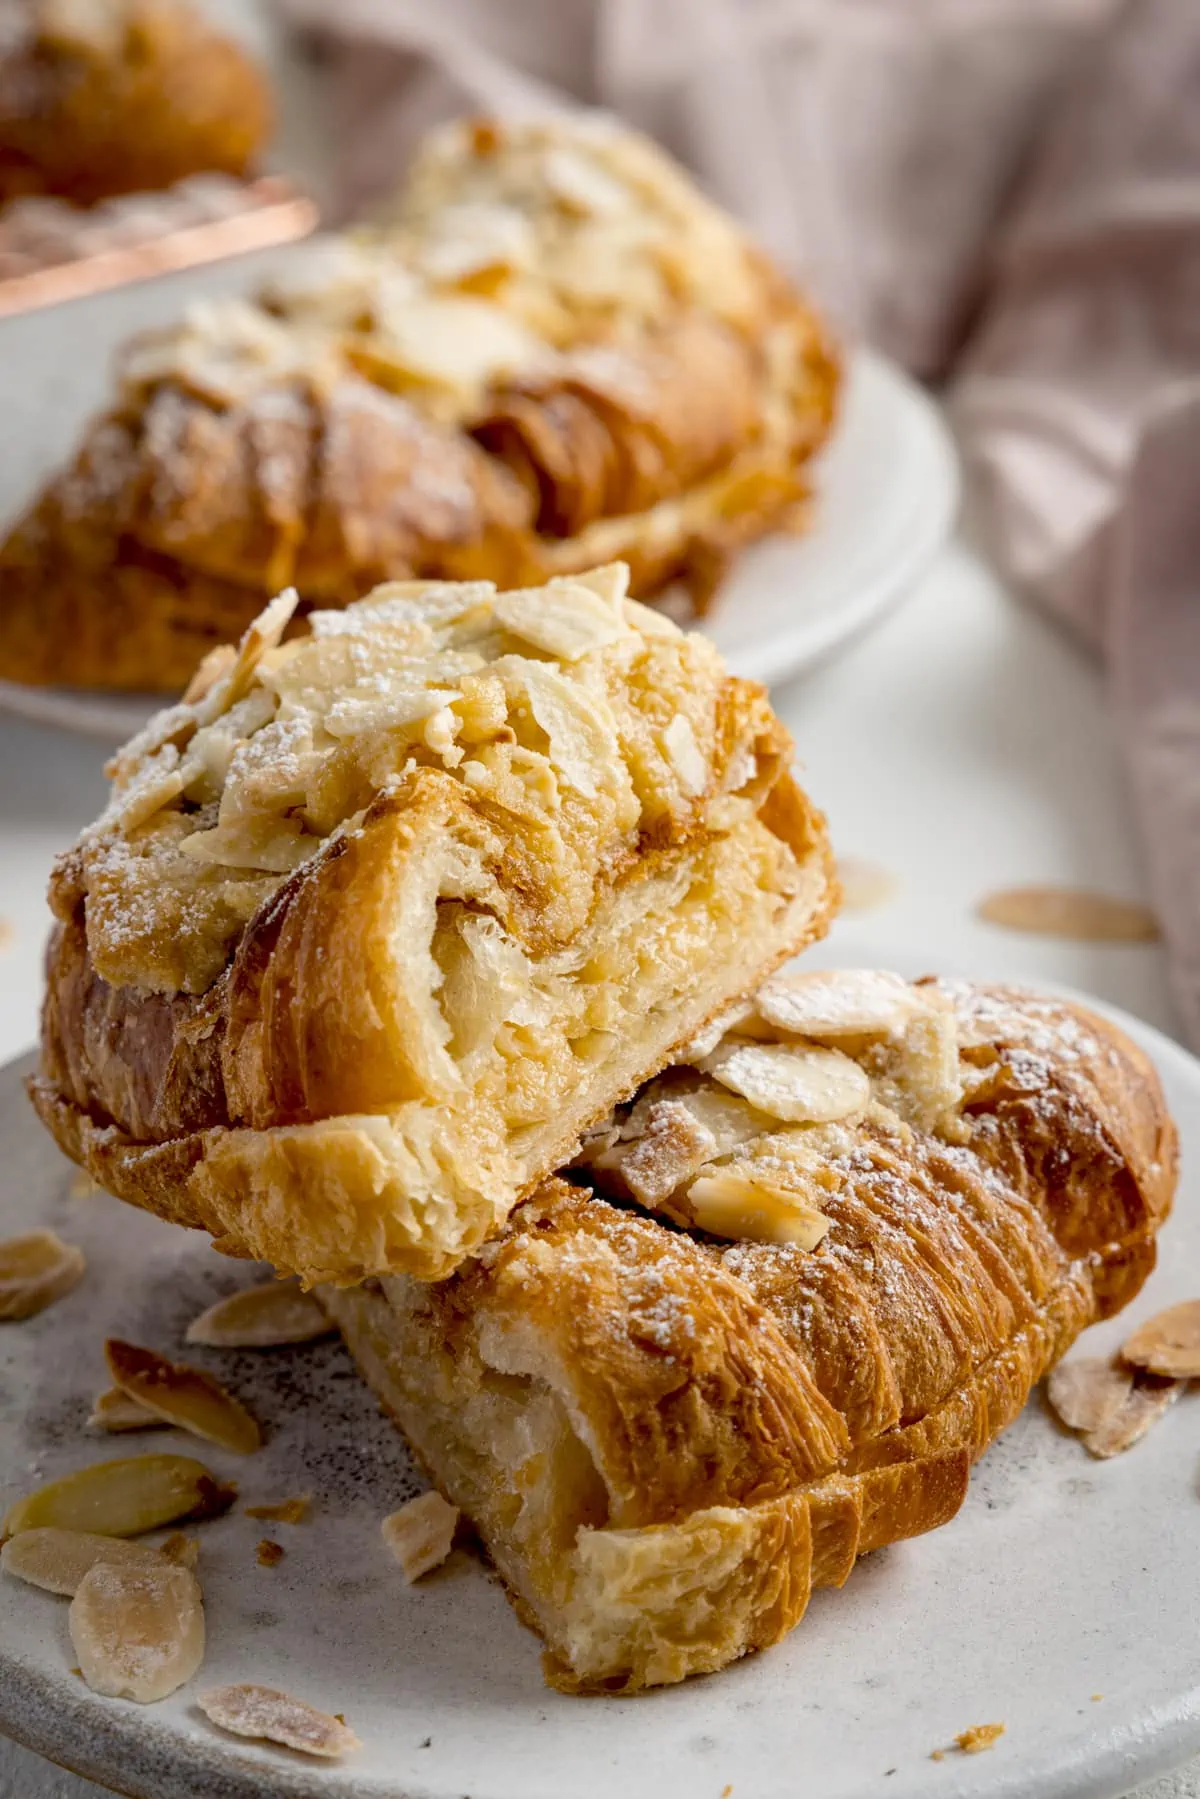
{"x":979,"y":1737}
{"x":285,"y":1511}
{"x":269,"y":1553}
{"x":113,"y":1410}
{"x":138,"y":1630}
{"x":838,"y":1002}
{"x":420,"y":1534}
{"x":1143,"y":1406}
{"x":1089,"y":1391}
{"x":798,"y":1085}
{"x":182,"y":1395}
{"x":1169,"y":1343}
{"x":253,"y":1711}
{"x":1070,"y":912}
{"x":263,"y":1317}
{"x":865,"y":885}
{"x":181,"y":1549}
{"x":35,"y":1270}
{"x":57,"y":1560}
{"x":124,"y":1498}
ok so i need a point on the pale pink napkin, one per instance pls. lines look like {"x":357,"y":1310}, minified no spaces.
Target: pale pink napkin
{"x":1022,"y":176}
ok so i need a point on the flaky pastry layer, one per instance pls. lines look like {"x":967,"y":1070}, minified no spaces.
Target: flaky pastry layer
{"x":383,"y":917}
{"x":667,"y":1438}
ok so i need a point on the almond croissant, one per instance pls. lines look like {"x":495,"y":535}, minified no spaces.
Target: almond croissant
{"x":849,"y":1237}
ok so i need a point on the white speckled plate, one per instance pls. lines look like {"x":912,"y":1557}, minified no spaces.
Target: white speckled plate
{"x":887,"y":496}
{"x":1062,"y":1579}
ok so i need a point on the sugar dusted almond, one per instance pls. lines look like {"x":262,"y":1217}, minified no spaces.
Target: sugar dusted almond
{"x":1087,"y":1392}
{"x":683,"y":753}
{"x":35,"y":1270}
{"x":1070,"y":912}
{"x":565,"y":619}
{"x":831,"y":1003}
{"x":182,"y":1395}
{"x":137,"y":1629}
{"x":675,"y":1146}
{"x":123,"y":1498}
{"x":706,"y":1040}
{"x":262,"y":1317}
{"x":1168,"y":1343}
{"x":263,"y":1712}
{"x":797,"y":1085}
{"x":421,"y":1533}
{"x":114,"y":1411}
{"x":57,"y":1560}
{"x":287,"y":1511}
{"x":1143,"y":1406}
{"x":733,"y":1202}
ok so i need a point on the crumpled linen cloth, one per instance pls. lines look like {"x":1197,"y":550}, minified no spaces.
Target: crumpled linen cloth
{"x":1005,"y":191}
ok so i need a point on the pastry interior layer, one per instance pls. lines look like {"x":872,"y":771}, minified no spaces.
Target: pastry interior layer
{"x":557,"y":354}
{"x":381,"y":918}
{"x":668,"y":1437}
{"x":102,"y":97}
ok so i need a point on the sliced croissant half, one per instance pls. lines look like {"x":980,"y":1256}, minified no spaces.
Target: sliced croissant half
{"x":840,"y":1245}
{"x":382,"y":918}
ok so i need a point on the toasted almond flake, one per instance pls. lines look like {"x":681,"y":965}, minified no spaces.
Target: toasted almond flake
{"x":262,"y":1317}
{"x":865,"y":885}
{"x":57,"y":1560}
{"x":138,"y":1630}
{"x":287,"y":1511}
{"x":253,"y":1711}
{"x":420,"y":1534}
{"x":832,"y":1003}
{"x":113,"y":1410}
{"x":1088,"y":1392}
{"x":35,"y":1270}
{"x":734,"y":1202}
{"x":1142,"y":1407}
{"x":683,"y":753}
{"x":124,"y":1498}
{"x":979,"y":1737}
{"x":182,"y":1395}
{"x":706,"y":1040}
{"x":1070,"y":912}
{"x":269,"y":1553}
{"x":676,"y":1145}
{"x":565,"y":618}
{"x":1168,"y":1343}
{"x":797,"y":1085}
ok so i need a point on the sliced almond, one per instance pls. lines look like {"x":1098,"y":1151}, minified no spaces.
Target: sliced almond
{"x":733,"y":1202}
{"x":684,"y":754}
{"x":113,"y":1410}
{"x":979,"y":1738}
{"x":35,"y":1270}
{"x":799,"y":1086}
{"x":123,"y":1498}
{"x":706,"y":1040}
{"x":1070,"y":912}
{"x":1088,"y":1392}
{"x":565,"y":619}
{"x":1168,"y":1343}
{"x":137,"y":1629}
{"x":832,"y":1003}
{"x":57,"y":1560}
{"x":1143,"y":1406}
{"x":865,"y":885}
{"x":252,"y":1711}
{"x":287,"y":1511}
{"x":182,"y":1395}
{"x":263,"y":1317}
{"x":676,"y":1145}
{"x":269,"y":1553}
{"x":421,"y":1533}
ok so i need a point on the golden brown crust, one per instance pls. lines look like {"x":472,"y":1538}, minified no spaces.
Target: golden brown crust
{"x":396,"y":420}
{"x":112,"y":98}
{"x":516,"y":881}
{"x":756,"y":1415}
